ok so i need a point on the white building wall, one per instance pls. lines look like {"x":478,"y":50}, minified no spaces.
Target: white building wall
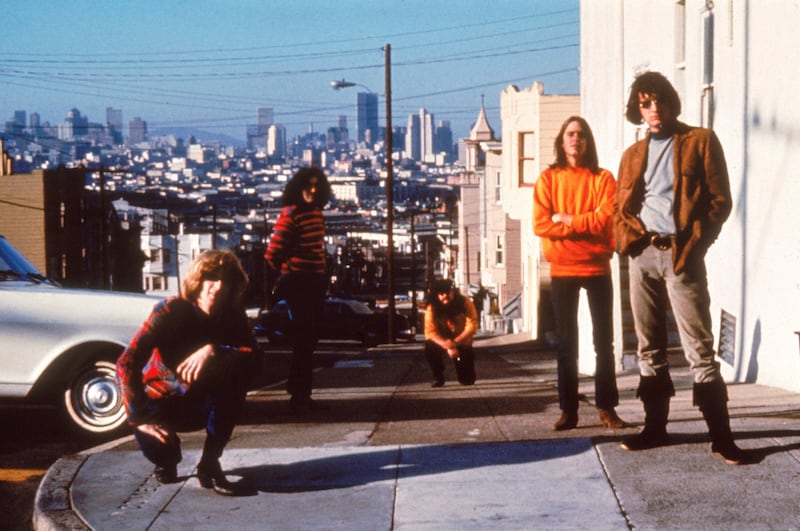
{"x":753,"y":267}
{"x":760,"y":254}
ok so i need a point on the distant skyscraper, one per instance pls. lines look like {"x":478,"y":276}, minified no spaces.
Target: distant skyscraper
{"x":338,"y":137}
{"x":114,"y":118}
{"x":420,"y":137}
{"x":137,"y":131}
{"x":276,"y":141}
{"x":257,"y":134}
{"x":16,"y":126}
{"x":412,"y":137}
{"x":265,"y":118}
{"x":35,"y":124}
{"x":367,"y":115}
{"x":427,"y":130}
{"x":114,"y":124}
{"x":443,"y":139}
{"x":20,"y":117}
{"x":74,"y":126}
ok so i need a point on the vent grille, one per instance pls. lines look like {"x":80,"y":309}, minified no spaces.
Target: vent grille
{"x":727,"y":337}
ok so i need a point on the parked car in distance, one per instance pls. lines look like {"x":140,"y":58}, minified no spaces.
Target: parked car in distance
{"x":341,"y":319}
{"x":59,"y":345}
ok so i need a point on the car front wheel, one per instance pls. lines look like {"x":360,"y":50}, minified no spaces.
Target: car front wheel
{"x":93,"y":400}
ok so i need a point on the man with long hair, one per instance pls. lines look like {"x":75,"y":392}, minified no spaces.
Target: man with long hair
{"x":572,"y":213}
{"x":297,"y":250}
{"x":189,"y":367}
{"x":672,"y":199}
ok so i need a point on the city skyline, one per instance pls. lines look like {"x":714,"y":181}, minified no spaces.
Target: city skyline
{"x":210,"y":65}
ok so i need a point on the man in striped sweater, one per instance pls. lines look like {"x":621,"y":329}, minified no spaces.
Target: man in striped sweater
{"x":297,"y":250}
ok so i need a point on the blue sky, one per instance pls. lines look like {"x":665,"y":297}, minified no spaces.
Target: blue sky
{"x":209,"y":64}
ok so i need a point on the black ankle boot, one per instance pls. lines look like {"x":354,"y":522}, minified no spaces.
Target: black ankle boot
{"x":211,"y":476}
{"x":166,"y":474}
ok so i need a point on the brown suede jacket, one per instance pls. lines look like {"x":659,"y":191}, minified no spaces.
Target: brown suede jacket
{"x":702,"y":200}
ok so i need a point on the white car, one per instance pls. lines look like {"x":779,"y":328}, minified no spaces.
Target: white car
{"x":60,"y":345}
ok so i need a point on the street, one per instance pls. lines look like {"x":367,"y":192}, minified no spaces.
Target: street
{"x":33,"y":439}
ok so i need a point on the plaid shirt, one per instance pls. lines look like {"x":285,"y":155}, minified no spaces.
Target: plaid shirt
{"x":146,"y":370}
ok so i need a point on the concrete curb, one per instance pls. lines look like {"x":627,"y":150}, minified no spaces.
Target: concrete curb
{"x":52,"y":509}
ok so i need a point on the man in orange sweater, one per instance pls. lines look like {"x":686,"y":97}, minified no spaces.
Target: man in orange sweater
{"x":572,"y":213}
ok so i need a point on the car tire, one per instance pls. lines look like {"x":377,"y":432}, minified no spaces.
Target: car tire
{"x":92,"y":399}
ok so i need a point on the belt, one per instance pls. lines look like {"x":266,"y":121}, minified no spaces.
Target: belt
{"x":662,"y":242}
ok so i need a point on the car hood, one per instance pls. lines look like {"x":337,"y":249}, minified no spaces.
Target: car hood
{"x":73,"y":313}
{"x":39,"y":323}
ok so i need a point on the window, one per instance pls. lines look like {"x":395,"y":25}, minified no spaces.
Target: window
{"x":527,"y":159}
{"x":155,"y":283}
{"x":498,"y":188}
{"x":161,"y":256}
{"x":498,"y":250}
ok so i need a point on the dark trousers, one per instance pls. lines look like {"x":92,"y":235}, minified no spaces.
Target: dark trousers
{"x":213,"y":402}
{"x":305,"y":294}
{"x":565,"y":296}
{"x":464,"y":362}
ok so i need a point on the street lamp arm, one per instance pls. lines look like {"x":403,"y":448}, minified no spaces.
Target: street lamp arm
{"x":338,"y":84}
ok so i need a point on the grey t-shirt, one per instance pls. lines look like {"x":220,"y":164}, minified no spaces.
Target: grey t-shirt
{"x":659,"y":177}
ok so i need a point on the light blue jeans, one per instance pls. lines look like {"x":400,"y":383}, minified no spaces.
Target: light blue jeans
{"x":652,"y":283}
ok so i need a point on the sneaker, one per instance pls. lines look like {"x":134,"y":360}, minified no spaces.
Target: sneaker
{"x":439,"y":382}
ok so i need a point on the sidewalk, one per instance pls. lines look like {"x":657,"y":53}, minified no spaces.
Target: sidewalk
{"x":393,"y":453}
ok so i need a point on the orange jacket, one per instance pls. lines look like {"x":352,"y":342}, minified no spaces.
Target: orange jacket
{"x":585,"y":248}
{"x":463,"y":326}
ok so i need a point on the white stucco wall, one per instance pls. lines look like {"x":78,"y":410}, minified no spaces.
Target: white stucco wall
{"x":755,"y":264}
{"x":761,"y":250}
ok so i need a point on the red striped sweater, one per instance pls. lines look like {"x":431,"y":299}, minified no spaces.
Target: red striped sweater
{"x":297,"y":243}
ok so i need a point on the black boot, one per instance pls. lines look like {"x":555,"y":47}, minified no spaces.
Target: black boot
{"x":712,"y":397}
{"x":209,"y":471}
{"x":655,"y":393}
{"x":211,"y":476}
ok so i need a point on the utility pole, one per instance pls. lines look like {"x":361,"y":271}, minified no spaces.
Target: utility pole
{"x":389,"y":196}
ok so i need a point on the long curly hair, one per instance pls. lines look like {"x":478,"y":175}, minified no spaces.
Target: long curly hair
{"x":293,"y":192}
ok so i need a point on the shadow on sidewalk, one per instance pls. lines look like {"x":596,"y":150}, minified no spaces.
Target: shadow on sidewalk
{"x":372,"y":465}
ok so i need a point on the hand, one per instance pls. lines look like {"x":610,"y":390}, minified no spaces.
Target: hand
{"x":452,"y":352}
{"x":560,"y":217}
{"x":154,"y":430}
{"x":189,"y":369}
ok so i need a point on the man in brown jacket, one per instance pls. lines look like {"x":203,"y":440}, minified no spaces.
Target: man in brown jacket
{"x":672,"y":198}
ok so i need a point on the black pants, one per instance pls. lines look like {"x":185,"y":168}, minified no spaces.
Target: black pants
{"x":213,"y":401}
{"x":565,"y":295}
{"x":464,"y":362}
{"x":305,"y":294}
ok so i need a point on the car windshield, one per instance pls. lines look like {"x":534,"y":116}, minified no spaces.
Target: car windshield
{"x":13,"y":264}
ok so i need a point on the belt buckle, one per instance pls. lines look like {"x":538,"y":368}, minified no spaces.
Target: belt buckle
{"x":662,"y":243}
